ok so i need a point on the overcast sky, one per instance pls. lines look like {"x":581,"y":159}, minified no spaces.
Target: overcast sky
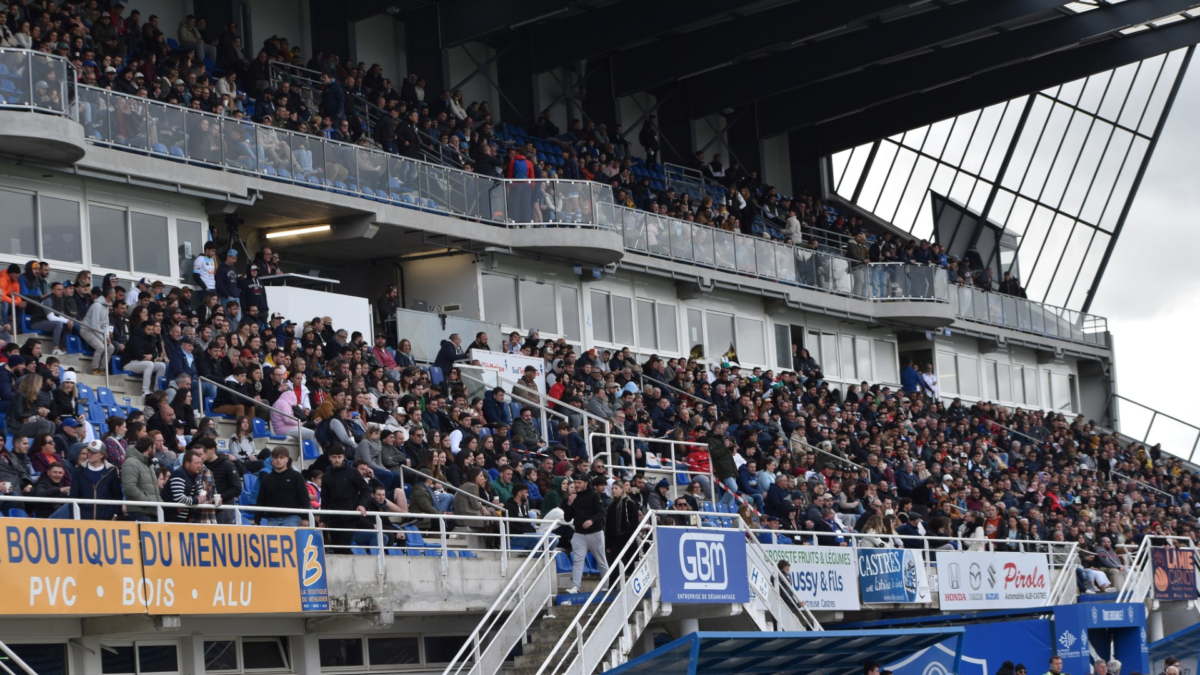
{"x":1151,"y":290}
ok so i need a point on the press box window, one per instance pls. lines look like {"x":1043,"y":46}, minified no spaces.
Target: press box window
{"x":45,"y":659}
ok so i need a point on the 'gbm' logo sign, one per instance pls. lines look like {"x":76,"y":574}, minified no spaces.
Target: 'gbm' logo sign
{"x":703,"y":561}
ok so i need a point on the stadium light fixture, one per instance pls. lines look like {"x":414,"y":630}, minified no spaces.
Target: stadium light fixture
{"x":312,"y":229}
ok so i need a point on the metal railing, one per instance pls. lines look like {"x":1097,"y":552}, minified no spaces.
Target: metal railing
{"x":373,"y":539}
{"x":746,"y":255}
{"x":449,"y":488}
{"x":299,"y":430}
{"x":1144,"y":485}
{"x":507,"y":620}
{"x":37,"y":81}
{"x":1026,"y":316}
{"x":1138,"y":423}
{"x":204,"y":139}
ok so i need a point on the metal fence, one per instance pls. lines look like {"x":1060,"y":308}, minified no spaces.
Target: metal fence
{"x":996,"y":309}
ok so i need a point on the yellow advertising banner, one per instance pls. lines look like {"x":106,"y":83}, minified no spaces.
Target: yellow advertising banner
{"x":70,"y":567}
{"x":89,"y":568}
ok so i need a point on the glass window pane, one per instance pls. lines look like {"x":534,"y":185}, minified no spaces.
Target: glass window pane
{"x":393,"y":651}
{"x":885,"y":362}
{"x":18,"y":233}
{"x":646,"y":329}
{"x":622,"y":312}
{"x":829,"y":360}
{"x":750,"y":342}
{"x":1060,"y":392}
{"x":862,"y":356}
{"x":947,"y":373}
{"x":265,"y":654}
{"x":695,"y":330}
{"x":601,"y":317}
{"x":1031,"y":387}
{"x":1003,"y":391}
{"x":500,"y":300}
{"x":189,"y":237}
{"x":115,"y":660}
{"x":110,"y":243}
{"x":220,"y":655}
{"x":668,"y":329}
{"x":341,"y":652}
{"x":720,"y":335}
{"x":968,"y":376}
{"x":44,"y":659}
{"x":158,"y":658}
{"x":62,"y":235}
{"x":848,"y":363}
{"x":149,"y":243}
{"x":569,"y":299}
{"x":537,"y":306}
{"x":989,"y":380}
{"x":442,"y":648}
{"x":783,"y":346}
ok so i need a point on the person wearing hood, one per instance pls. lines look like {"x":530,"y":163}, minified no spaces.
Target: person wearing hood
{"x":450,"y":352}
{"x":556,"y":495}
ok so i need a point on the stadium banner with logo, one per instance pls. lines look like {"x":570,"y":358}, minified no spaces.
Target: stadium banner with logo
{"x":511,"y":367}
{"x":1121,"y":625}
{"x":823,"y":577}
{"x":216,"y":569}
{"x":992,"y":580}
{"x":697,"y":565}
{"x":1174,"y":573}
{"x":892,"y":576}
{"x":96,"y":568}
{"x":70,"y":567}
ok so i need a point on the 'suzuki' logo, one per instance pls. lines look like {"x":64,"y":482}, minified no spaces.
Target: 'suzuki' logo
{"x":1014,"y":579}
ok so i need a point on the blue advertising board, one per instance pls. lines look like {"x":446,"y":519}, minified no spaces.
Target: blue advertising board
{"x":697,"y":565}
{"x":1123,"y":625}
{"x":314,"y":584}
{"x":892,"y":576}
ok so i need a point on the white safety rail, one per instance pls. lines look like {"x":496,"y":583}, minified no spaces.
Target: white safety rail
{"x":616,"y":612}
{"x":766,"y":582}
{"x":1139,"y":578}
{"x":12,"y":656}
{"x":530,"y":590}
{"x":380,"y":539}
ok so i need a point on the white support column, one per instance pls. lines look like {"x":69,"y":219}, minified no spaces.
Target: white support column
{"x":191,"y":655}
{"x":688,"y":626}
{"x":84,"y":654}
{"x":306,"y":654}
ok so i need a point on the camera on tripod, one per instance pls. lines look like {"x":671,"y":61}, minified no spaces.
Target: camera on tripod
{"x":233,"y":223}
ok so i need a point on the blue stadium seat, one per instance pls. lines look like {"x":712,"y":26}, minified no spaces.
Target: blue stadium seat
{"x":104,"y":396}
{"x":261,"y":430}
{"x":85,"y":391}
{"x":77,"y":346}
{"x":17,"y":512}
{"x":177,"y":152}
{"x":161,"y":149}
{"x":311,"y":451}
{"x":208,"y":411}
{"x":589,"y":565}
{"x":562,"y":563}
{"x":435,"y":375}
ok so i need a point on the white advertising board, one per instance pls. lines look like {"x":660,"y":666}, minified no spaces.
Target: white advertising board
{"x":987,"y":580}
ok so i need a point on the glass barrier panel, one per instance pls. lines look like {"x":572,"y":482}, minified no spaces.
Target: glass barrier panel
{"x":785,"y":268}
{"x":14,"y":83}
{"x":681,"y":239}
{"x":634,"y":223}
{"x":1024,"y":321}
{"x":955,"y":304}
{"x":604,"y":206}
{"x":458,"y":186}
{"x":338,"y":162}
{"x":496,"y":200}
{"x":764,"y":254}
{"x":965,"y":302}
{"x":128,"y":125}
{"x":835,"y":273}
{"x":744,"y":249}
{"x":702,"y":244}
{"x":402,"y":183}
{"x":520,"y":201}
{"x":658,"y":235}
{"x":308,"y":161}
{"x":806,"y":267}
{"x":1037,"y":318}
{"x":1051,"y":321}
{"x":372,"y":172}
{"x":1008,"y":306}
{"x":995,"y":310}
{"x":724,"y":249}
{"x":941,"y":284}
{"x":93,"y":113}
{"x":166,"y":129}
{"x":49,"y":77}
{"x":980,"y":305}
{"x":587,"y":214}
{"x":436,"y":196}
{"x":273,"y":151}
{"x":1077,"y":326}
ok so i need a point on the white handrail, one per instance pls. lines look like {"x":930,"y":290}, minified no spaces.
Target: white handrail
{"x":493,"y":623}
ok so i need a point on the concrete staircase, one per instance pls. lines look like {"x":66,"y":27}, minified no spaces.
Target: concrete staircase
{"x":547,"y":631}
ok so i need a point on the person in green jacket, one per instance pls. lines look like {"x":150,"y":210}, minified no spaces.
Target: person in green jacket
{"x":554,"y":499}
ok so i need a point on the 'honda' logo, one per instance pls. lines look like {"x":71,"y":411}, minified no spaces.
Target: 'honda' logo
{"x":703,"y":561}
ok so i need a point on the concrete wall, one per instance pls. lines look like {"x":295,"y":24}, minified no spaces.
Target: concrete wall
{"x":443,"y":281}
{"x":302,"y":304}
{"x":284,"y":18}
{"x":380,"y":39}
{"x":170,"y":13}
{"x":776,"y":164}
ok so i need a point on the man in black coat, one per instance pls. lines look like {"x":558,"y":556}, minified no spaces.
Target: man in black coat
{"x":282,"y":488}
{"x":586,"y":510}
{"x":344,"y":489}
{"x":450,"y":351}
{"x":227,"y":482}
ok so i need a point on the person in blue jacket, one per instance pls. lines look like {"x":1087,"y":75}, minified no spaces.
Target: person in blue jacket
{"x":450,"y":351}
{"x":746,"y":484}
{"x":495,"y":410}
{"x":910,"y":378}
{"x":228,"y":288}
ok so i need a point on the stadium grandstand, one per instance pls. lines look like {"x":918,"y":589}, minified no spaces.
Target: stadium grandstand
{"x":573,"y":337}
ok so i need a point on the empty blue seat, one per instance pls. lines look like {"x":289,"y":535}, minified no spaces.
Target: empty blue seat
{"x":17,"y":512}
{"x":435,"y":375}
{"x":261,"y":430}
{"x":562,"y":563}
{"x":161,"y":148}
{"x":311,"y":451}
{"x":104,"y":396}
{"x":284,"y":173}
{"x":177,"y":152}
